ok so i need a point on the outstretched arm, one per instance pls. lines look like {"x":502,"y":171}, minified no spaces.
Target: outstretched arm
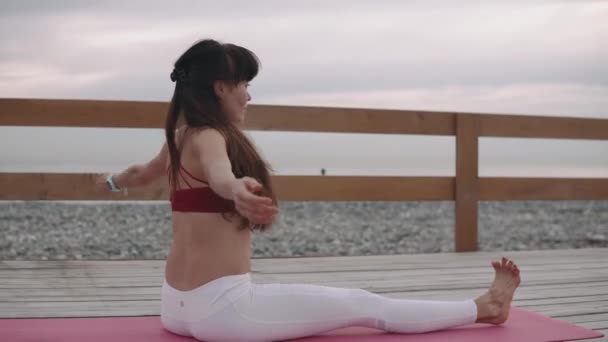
{"x":139,"y":174}
{"x":217,"y":169}
{"x":216,"y":166}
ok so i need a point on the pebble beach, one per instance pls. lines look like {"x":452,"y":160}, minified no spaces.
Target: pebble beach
{"x":43,"y":230}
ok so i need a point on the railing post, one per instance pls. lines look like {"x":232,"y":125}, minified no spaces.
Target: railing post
{"x":467,"y":182}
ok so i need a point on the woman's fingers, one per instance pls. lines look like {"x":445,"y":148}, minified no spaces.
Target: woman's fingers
{"x":258,"y":218}
{"x":247,"y":192}
{"x":257,"y":209}
{"x":258,"y":215}
{"x":258,"y":212}
{"x":262,"y":212}
{"x":251,"y":184}
{"x":250,"y":200}
{"x":253,"y":199}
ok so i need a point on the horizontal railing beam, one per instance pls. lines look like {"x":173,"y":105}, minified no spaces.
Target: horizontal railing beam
{"x":138,"y":114}
{"x":72,"y":186}
{"x":505,"y":189}
{"x":133,"y":114}
{"x":75,"y":186}
{"x":82,"y":113}
{"x":513,"y":126}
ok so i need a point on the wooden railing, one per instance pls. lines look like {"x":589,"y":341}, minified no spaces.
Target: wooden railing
{"x":466,"y":189}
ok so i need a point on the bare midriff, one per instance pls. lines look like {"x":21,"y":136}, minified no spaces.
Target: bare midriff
{"x":205,"y":247}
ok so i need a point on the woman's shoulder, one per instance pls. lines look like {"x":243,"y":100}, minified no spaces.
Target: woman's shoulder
{"x":206,"y":132}
{"x":205,"y":139}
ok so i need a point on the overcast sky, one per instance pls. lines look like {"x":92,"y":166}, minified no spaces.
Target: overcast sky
{"x":517,"y":57}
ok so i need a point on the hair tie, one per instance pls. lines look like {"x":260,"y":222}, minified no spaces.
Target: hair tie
{"x":178,"y":74}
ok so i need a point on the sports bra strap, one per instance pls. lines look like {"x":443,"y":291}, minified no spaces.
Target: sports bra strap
{"x":184,"y":178}
{"x":193,"y":177}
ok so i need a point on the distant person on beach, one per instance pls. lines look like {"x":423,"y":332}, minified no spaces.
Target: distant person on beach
{"x":221,"y":193}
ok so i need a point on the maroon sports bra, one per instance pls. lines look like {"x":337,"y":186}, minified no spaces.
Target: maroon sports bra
{"x":200,"y":199}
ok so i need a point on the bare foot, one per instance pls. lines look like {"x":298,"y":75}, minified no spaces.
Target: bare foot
{"x":493,"y":307}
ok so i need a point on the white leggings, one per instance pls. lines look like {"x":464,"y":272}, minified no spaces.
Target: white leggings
{"x":232,"y":308}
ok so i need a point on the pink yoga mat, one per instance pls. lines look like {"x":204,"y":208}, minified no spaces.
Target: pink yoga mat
{"x":522,"y":326}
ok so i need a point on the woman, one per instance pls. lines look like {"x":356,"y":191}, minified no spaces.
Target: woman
{"x":221,"y":192}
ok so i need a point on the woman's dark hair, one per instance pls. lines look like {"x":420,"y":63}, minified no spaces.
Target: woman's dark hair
{"x":195,"y":73}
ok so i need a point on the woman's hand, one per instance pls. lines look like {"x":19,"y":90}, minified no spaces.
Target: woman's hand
{"x":257,"y":209}
{"x":100,"y":182}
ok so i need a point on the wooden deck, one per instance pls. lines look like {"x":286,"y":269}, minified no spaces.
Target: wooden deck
{"x":570,"y":285}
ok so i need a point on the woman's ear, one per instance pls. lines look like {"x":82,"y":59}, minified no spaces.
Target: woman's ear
{"x":220,"y":88}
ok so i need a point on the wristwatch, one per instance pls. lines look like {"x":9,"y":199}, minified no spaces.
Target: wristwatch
{"x":111,"y":185}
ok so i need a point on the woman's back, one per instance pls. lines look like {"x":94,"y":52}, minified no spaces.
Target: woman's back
{"x":206,"y":245}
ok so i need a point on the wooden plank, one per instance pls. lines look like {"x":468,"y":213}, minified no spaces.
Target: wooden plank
{"x":69,"y":186}
{"x":92,"y":308}
{"x":357,"y":188}
{"x":527,"y":296}
{"x":137,"y":114}
{"x":558,"y":301}
{"x":572,"y":309}
{"x":525,"y":293}
{"x":400,"y":282}
{"x":594,"y":317}
{"x":72,"y":186}
{"x":134,"y":114}
{"x":337,"y":263}
{"x":448,"y":268}
{"x":596,"y":325}
{"x":463,"y":267}
{"x":408,"y":278}
{"x":374,"y":285}
{"x":466,"y":183}
{"x":500,"y":189}
{"x":81,"y":309}
{"x":82,"y":113}
{"x":349,"y":120}
{"x":542,"y":127}
{"x":296,"y":267}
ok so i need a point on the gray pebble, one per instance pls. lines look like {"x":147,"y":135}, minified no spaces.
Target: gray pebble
{"x":40,"y":230}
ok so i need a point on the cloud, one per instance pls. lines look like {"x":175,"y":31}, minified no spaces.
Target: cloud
{"x":44,"y":81}
{"x":555,"y":99}
{"x":383,"y":46}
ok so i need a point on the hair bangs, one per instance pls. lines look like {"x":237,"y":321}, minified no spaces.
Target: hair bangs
{"x":243,"y":65}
